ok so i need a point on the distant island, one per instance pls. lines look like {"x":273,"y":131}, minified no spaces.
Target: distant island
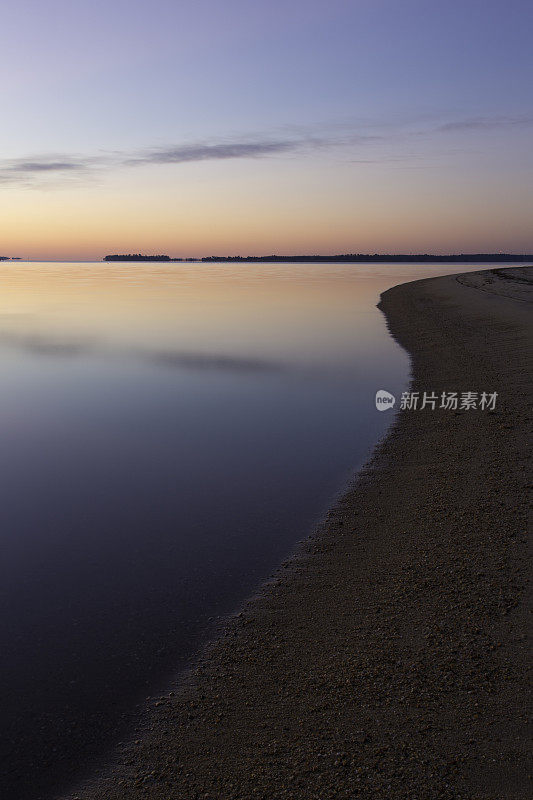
{"x":351,"y":258}
{"x":139,"y":257}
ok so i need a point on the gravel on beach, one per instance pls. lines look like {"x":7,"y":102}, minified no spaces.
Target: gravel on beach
{"x":388,"y":658}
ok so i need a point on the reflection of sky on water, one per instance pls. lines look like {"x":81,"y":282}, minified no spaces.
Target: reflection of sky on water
{"x":39,"y":344}
{"x":168,"y":434}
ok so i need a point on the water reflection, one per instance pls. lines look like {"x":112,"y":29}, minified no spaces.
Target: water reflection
{"x":40,"y":344}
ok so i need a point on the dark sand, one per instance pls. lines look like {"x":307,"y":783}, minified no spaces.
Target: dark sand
{"x":388,"y":659}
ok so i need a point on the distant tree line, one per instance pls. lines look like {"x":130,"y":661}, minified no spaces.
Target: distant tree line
{"x":354,"y":258}
{"x":351,"y":258}
{"x":138,"y":257}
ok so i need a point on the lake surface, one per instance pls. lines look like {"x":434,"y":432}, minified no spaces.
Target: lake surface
{"x":169,"y":432}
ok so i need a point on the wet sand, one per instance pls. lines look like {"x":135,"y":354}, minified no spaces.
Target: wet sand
{"x":387,"y":659}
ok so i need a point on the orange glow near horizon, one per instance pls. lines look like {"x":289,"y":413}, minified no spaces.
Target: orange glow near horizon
{"x":250,"y":209}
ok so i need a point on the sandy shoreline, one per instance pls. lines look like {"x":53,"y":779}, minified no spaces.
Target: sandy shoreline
{"x":388,"y":659}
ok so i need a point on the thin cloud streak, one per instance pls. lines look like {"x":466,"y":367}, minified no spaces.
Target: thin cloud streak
{"x":28,"y":170}
{"x":44,"y":166}
{"x":208,"y":152}
{"x":24,"y":169}
{"x":484,"y":123}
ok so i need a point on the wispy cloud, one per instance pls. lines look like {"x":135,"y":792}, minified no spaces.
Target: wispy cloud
{"x":57,"y":168}
{"x":36,"y":169}
{"x":43,"y":166}
{"x":484,"y":123}
{"x":27,"y":170}
{"x":208,"y":152}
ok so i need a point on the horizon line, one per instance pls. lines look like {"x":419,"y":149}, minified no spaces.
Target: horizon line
{"x":131,"y":257}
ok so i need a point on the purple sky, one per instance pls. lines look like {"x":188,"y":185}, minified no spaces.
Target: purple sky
{"x":234,"y":126}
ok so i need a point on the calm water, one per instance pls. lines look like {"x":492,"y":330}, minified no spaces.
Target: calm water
{"x":169,"y":432}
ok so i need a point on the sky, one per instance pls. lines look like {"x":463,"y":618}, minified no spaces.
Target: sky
{"x":223,"y":127}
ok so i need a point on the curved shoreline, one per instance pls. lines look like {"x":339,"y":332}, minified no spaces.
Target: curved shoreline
{"x":387,"y":659}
